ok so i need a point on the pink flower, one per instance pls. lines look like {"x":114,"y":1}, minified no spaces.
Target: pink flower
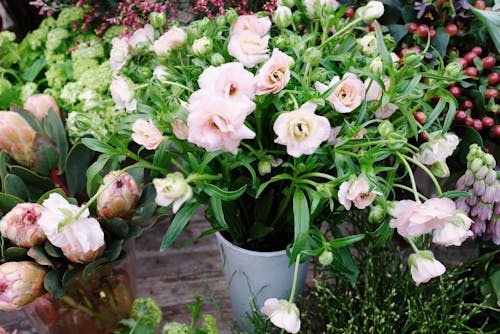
{"x":146,"y":134}
{"x":181,"y":131}
{"x":347,"y":95}
{"x":118,"y":199}
{"x":144,"y":36}
{"x":216,"y":123}
{"x":119,"y":54}
{"x":424,"y":266}
{"x":357,"y":191}
{"x":274,"y":75}
{"x":412,"y":219}
{"x":374,"y":92}
{"x":282,"y":314}
{"x":17,"y":138}
{"x":122,"y":92}
{"x":248,"y":47}
{"x":172,"y":39}
{"x":230,"y":81}
{"x":258,"y":25}
{"x":437,"y":148}
{"x":20,"y":225}
{"x":39,"y":105}
{"x":454,"y":232}
{"x":20,"y":283}
{"x":301,"y":131}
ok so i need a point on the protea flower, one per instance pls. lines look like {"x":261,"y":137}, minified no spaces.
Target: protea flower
{"x":20,"y":283}
{"x":39,"y":105}
{"x":119,"y":198}
{"x":17,"y":138}
{"x":21,"y":227}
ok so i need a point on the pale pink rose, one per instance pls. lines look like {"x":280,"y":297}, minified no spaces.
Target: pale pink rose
{"x":347,"y":95}
{"x":274,"y":75}
{"x":301,"y":131}
{"x":454,"y":232}
{"x":282,"y":314}
{"x":17,"y":138}
{"x":21,"y":282}
{"x":437,"y":148}
{"x":216,"y":123}
{"x":81,"y":239}
{"x":258,"y":25}
{"x":172,"y":39}
{"x":146,"y":134}
{"x":39,"y":105}
{"x":119,"y":53}
{"x":424,"y":266}
{"x":230,"y":81}
{"x":374,"y":92}
{"x":20,"y":225}
{"x":122,"y":92}
{"x":181,"y":131}
{"x":248,"y":47}
{"x":356,"y":191}
{"x":310,"y":5}
{"x":413,"y":219}
{"x":143,"y":36}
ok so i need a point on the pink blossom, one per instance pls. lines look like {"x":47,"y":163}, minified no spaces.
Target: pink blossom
{"x":454,"y":232}
{"x":119,"y":198}
{"x":437,"y":148}
{"x":248,"y":47}
{"x":301,"y":131}
{"x":142,"y":36}
{"x":374,"y":92}
{"x":282,"y":314}
{"x":39,"y":105}
{"x":230,"y":80}
{"x":412,"y":219}
{"x":119,"y":54}
{"x":146,"y":134}
{"x":172,"y":39}
{"x":122,"y":92}
{"x":347,"y":95}
{"x":21,"y":282}
{"x":258,"y":25}
{"x":216,"y":123}
{"x":357,"y":191}
{"x":274,"y":75}
{"x":20,"y":225}
{"x":17,"y":138}
{"x":424,"y":266}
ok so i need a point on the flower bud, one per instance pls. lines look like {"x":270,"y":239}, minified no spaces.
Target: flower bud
{"x":17,"y":138}
{"x":21,"y":227}
{"x":479,"y":187}
{"x":288,"y":3}
{"x":396,"y":141}
{"x":376,"y":66}
{"x":453,"y":70}
{"x":325,"y":190}
{"x":490,"y":194}
{"x":491,"y":177}
{"x":312,"y":56}
{"x":180,"y":129}
{"x":319,"y":74}
{"x":21,"y":282}
{"x":368,"y":44}
{"x":462,"y":205}
{"x":475,"y":165}
{"x":231,"y":16}
{"x":282,"y":16}
{"x":468,"y":178}
{"x":377,"y":214}
{"x":297,"y":17}
{"x":424,"y":266}
{"x":385,"y":128}
{"x":325,"y":258}
{"x":5,"y":86}
{"x":118,"y":199}
{"x":489,"y":160}
{"x":220,"y":21}
{"x":75,"y":253}
{"x":472,"y":200}
{"x":479,"y":227}
{"x":264,"y":167}
{"x":482,"y":210}
{"x":412,"y":59}
{"x":371,"y":11}
{"x":216,"y":59}
{"x":481,"y":173}
{"x":202,"y":46}
{"x":440,"y":169}
{"x":157,"y":20}
{"x":172,"y":189}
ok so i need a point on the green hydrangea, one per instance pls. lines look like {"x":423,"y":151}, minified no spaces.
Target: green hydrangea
{"x":91,"y":49}
{"x":70,"y":92}
{"x":54,"y":58}
{"x":80,"y":66}
{"x":49,"y":23}
{"x":90,"y":100}
{"x":37,"y":38}
{"x":55,"y":77}
{"x":210,"y":324}
{"x":176,"y":328}
{"x":27,"y":90}
{"x":7,"y":37}
{"x":55,"y":37}
{"x":98,"y":78}
{"x":147,"y":311}
{"x":68,"y":15}
{"x":81,"y":124}
{"x":112,"y":32}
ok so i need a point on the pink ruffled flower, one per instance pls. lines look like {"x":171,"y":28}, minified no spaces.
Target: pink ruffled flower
{"x":375,"y":93}
{"x":248,"y":47}
{"x":142,"y":36}
{"x":180,"y":129}
{"x":172,"y":39}
{"x":423,"y":267}
{"x":454,"y":232}
{"x":146,"y":134}
{"x":347,"y":95}
{"x":282,"y":314}
{"x":39,"y":105}
{"x":437,"y":148}
{"x":122,"y":92}
{"x":412,"y":219}
{"x":301,"y":131}
{"x":274,"y":75}
{"x":20,"y":283}
{"x":20,"y":225}
{"x":216,"y":123}
{"x":356,"y":191}
{"x":119,"y":53}
{"x":230,"y":81}
{"x":258,"y":25}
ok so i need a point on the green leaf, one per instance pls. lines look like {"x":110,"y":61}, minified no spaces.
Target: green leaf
{"x":180,"y":221}
{"x":28,"y":117}
{"x":46,"y":153}
{"x":16,"y":254}
{"x":31,"y":178}
{"x":346,"y":241}
{"x":52,"y":250}
{"x":216,"y":206}
{"x":47,"y":194}
{"x":14,"y":185}
{"x":224,"y":195}
{"x":276,"y":178}
{"x":441,"y":41}
{"x":113,"y":250}
{"x":32,"y":72}
{"x":161,"y":157}
{"x":38,"y":253}
{"x":454,"y":194}
{"x":301,"y":216}
{"x":344,"y":261}
{"x":70,"y":274}
{"x":117,"y":227}
{"x":77,"y":162}
{"x":491,"y":20}
{"x":56,"y":131}
{"x":398,"y":31}
{"x":53,"y":282}
{"x":8,"y":201}
{"x":99,"y":146}
{"x":93,"y":171}
{"x":93,"y":267}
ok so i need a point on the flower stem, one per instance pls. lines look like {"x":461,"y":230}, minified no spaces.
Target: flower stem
{"x":178,"y":85}
{"x":341,"y":31}
{"x":294,"y":284}
{"x":323,"y":175}
{"x":197,"y":177}
{"x":412,"y":244}
{"x":410,"y":173}
{"x":428,"y":172}
{"x":408,"y":189}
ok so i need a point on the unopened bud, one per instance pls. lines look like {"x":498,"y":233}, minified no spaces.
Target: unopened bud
{"x":118,"y":199}
{"x":479,"y":187}
{"x":17,"y":138}
{"x":216,"y":59}
{"x":22,"y":282}
{"x":297,"y":17}
{"x":157,"y":20}
{"x":490,"y":194}
{"x":325,"y":190}
{"x":481,"y":173}
{"x":483,"y":211}
{"x":326,"y":258}
{"x":288,"y":3}
{"x":376,"y":66}
{"x":371,"y":11}
{"x":475,"y":165}
{"x":231,"y":16}
{"x":377,"y":214}
{"x":264,"y":167}
{"x":453,"y":70}
{"x":385,"y":128}
{"x":396,"y":141}
{"x":282,"y":16}
{"x":319,"y":74}
{"x":440,"y":169}
{"x":20,"y":225}
{"x":202,"y":46}
{"x":412,"y":59}
{"x":491,"y":177}
{"x":220,"y":20}
{"x":312,"y":56}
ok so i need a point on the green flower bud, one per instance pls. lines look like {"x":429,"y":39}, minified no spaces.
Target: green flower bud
{"x":202,"y":46}
{"x":264,"y":167}
{"x":216,"y":59}
{"x":376,"y":66}
{"x":5,"y":85}
{"x":412,"y":59}
{"x":220,"y":21}
{"x":396,"y":141}
{"x":320,"y":74}
{"x":281,"y":42}
{"x":385,"y":128}
{"x":312,"y":56}
{"x":475,"y":165}
{"x":489,"y":160}
{"x":157,"y":20}
{"x":453,"y":70}
{"x":325,"y":258}
{"x":325,"y":190}
{"x":377,"y":214}
{"x":297,"y":17}
{"x":282,"y":16}
{"x":231,"y":16}
{"x":440,"y":169}
{"x":371,"y":11}
{"x":288,"y":3}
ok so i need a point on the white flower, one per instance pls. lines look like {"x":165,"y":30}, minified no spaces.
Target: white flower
{"x":368,"y":44}
{"x":172,"y":189}
{"x":160,"y":72}
{"x":258,"y":25}
{"x":321,"y":3}
{"x":170,"y":40}
{"x":454,"y":232}
{"x":374,"y":92}
{"x":424,"y":266}
{"x":146,"y":134}
{"x":301,"y":130}
{"x":81,"y":239}
{"x":142,"y":36}
{"x":248,"y":47}
{"x":230,"y":81}
{"x":118,"y":54}
{"x":437,"y":148}
{"x":122,"y":92}
{"x":371,"y":11}
{"x":202,"y":46}
{"x":282,"y":314}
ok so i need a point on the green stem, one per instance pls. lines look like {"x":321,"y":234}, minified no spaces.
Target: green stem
{"x":294,"y":284}
{"x":413,"y":246}
{"x":369,"y":143}
{"x":284,"y":206}
{"x":352,"y":154}
{"x":178,"y":85}
{"x":295,"y":103}
{"x":341,"y":31}
{"x":322,"y":175}
{"x":397,"y":185}
{"x":197,"y":177}
{"x":410,"y":173}
{"x":428,"y":172}
{"x":179,"y":166}
{"x":72,"y":303}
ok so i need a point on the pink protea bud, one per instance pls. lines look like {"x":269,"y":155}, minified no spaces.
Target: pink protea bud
{"x":74,"y":253}
{"x":119,"y":198}
{"x":20,"y":283}
{"x":39,"y":105}
{"x":17,"y":138}
{"x":21,"y":227}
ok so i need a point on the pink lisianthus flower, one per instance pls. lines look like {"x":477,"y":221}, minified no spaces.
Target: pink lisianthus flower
{"x":172,"y":39}
{"x":20,"y":225}
{"x":413,"y":219}
{"x":216,"y":123}
{"x":454,"y":232}
{"x":122,"y":92}
{"x":356,"y":191}
{"x":274,"y":75}
{"x":146,"y":134}
{"x":437,"y":148}
{"x":423,"y":267}
{"x":119,"y":53}
{"x":374,"y":92}
{"x":258,"y":25}
{"x":180,"y":129}
{"x":248,"y":47}
{"x":347,"y":95}
{"x":230,"y":81}
{"x":282,"y":314}
{"x":301,"y":131}
{"x":142,"y":36}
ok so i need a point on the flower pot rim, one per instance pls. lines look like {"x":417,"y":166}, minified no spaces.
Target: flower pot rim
{"x":227,"y":243}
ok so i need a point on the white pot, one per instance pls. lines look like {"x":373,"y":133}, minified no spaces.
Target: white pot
{"x":253,"y":277}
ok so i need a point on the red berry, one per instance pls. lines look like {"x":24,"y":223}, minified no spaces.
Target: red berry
{"x":433,"y":33}
{"x":412,"y":27}
{"x":415,"y":48}
{"x":455,"y":91}
{"x":420,"y":117}
{"x":349,"y":13}
{"x":488,"y":122}
{"x":491,"y":93}
{"x":477,"y":50}
{"x":469,"y":57}
{"x":423,"y":136}
{"x":496,"y":131}
{"x":479,"y":4}
{"x":460,"y":115}
{"x":477,"y":124}
{"x":371,"y":27}
{"x":461,"y":61}
{"x":451,"y":29}
{"x":494,"y":78}
{"x":423,"y":30}
{"x":402,"y":52}
{"x":468,"y":104}
{"x":489,"y":62}
{"x":471,"y":71}
{"x":468,"y":121}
